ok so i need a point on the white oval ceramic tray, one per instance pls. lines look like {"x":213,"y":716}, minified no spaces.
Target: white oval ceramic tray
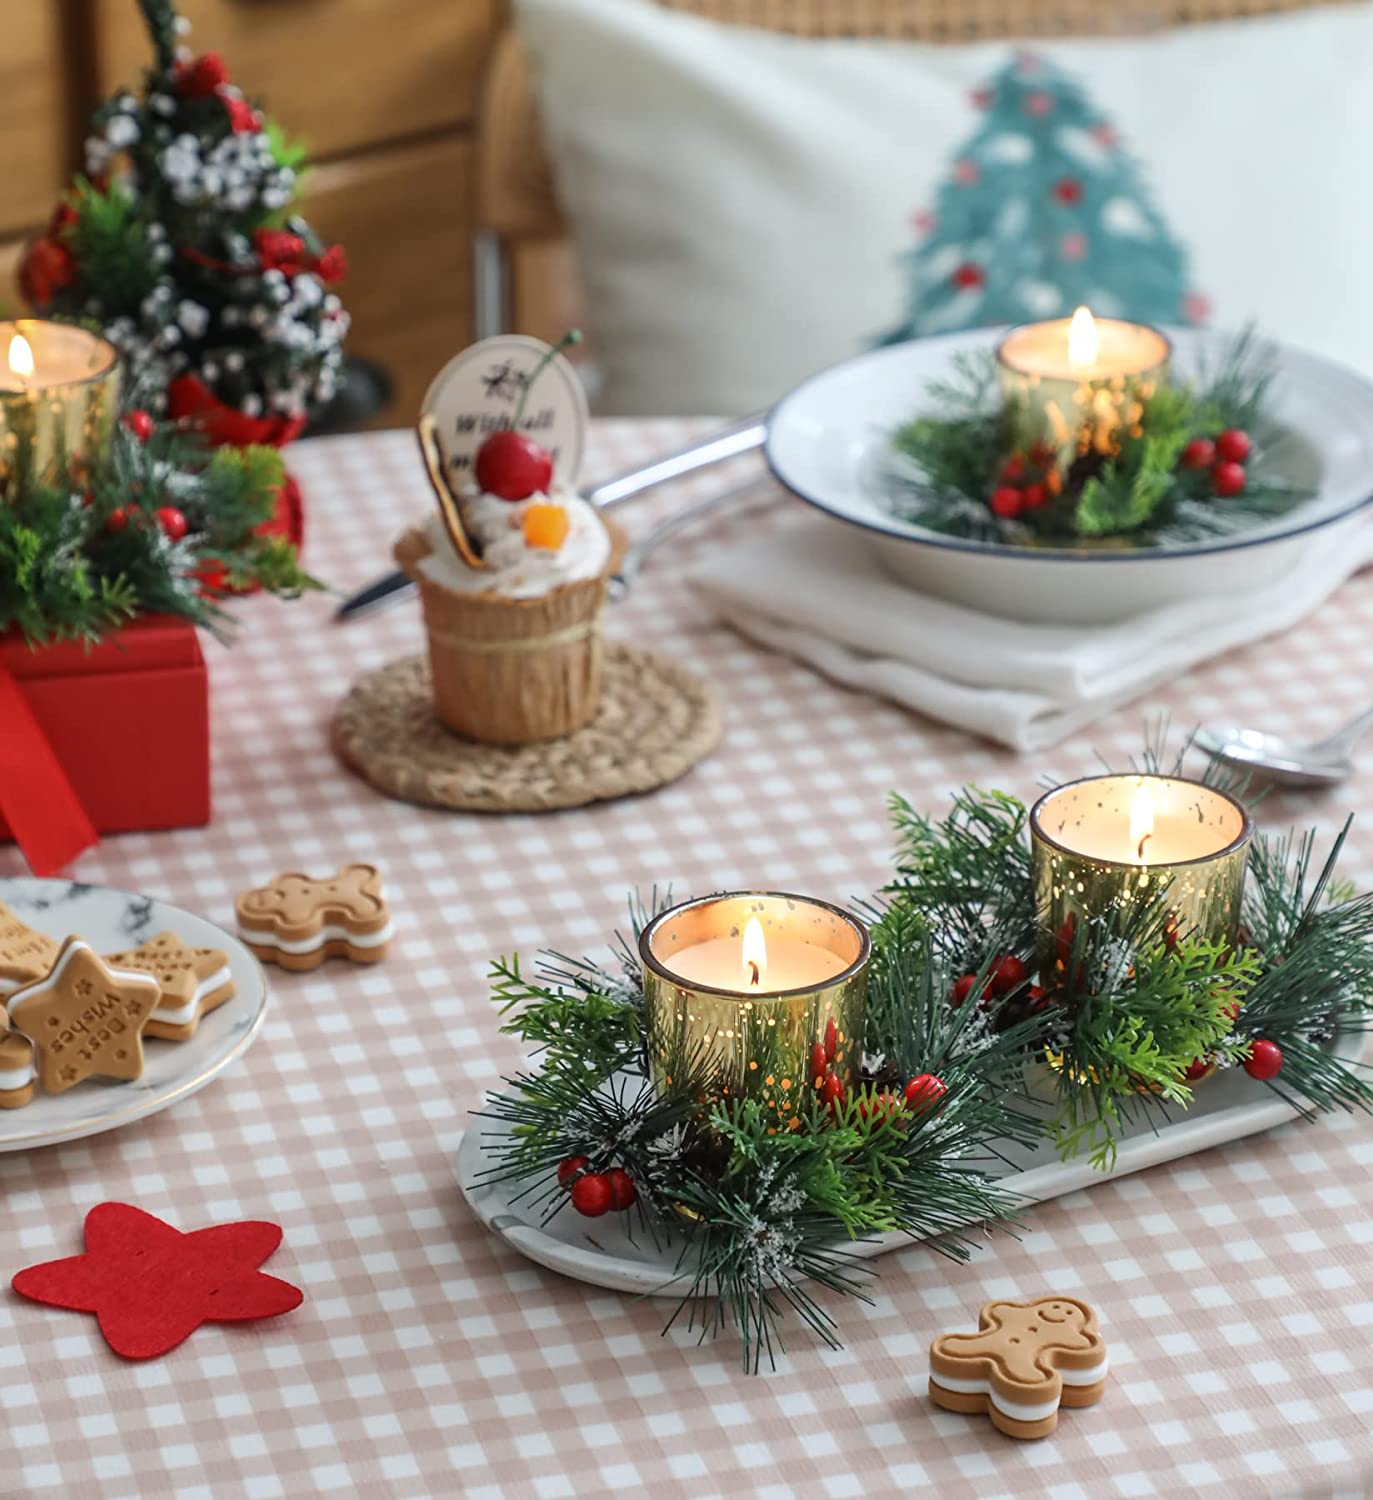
{"x":829,"y":441}
{"x":114,"y":921}
{"x":600,"y":1251}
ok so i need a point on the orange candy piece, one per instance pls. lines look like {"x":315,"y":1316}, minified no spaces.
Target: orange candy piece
{"x":545,"y":526}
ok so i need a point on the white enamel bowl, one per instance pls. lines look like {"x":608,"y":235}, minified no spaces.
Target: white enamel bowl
{"x":828,"y":441}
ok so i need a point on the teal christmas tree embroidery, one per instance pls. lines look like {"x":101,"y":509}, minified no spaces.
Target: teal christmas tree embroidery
{"x":1043,"y":212}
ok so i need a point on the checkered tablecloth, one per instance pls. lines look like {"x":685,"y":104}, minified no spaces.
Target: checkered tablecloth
{"x":429,"y":1358}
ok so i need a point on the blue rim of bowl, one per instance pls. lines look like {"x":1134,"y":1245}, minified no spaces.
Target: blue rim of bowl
{"x":899,"y":533}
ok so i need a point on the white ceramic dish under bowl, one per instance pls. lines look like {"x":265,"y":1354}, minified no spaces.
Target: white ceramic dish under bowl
{"x":113,"y":922}
{"x":1228,"y":1106}
{"x":829,"y":443}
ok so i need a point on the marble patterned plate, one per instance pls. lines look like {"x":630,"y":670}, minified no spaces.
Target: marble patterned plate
{"x":600,"y":1251}
{"x":114,"y":921}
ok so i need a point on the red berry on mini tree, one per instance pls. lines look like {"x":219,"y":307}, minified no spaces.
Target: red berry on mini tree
{"x":1007,"y":502}
{"x":1200,"y":453}
{"x":924,"y":1091}
{"x":1013,"y":469}
{"x":819,"y":1065}
{"x":1264,"y":1060}
{"x":1197,"y":1068}
{"x":117,"y":520}
{"x":1228,"y":478}
{"x":623,"y":1193}
{"x":569,"y":1169}
{"x":591,"y":1195}
{"x":140,"y":424}
{"x":1234,"y":445}
{"x":1034,"y":495}
{"x":832,"y":1092}
{"x":963,"y":987}
{"x":1008,"y":973}
{"x":172,"y":522}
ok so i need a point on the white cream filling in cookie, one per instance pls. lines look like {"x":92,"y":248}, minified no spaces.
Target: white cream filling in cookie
{"x":33,"y":991}
{"x":324,"y":935}
{"x":1021,"y":1411}
{"x":183,"y":1015}
{"x":15,"y":1078}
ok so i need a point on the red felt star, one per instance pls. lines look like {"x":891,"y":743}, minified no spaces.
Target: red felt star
{"x":152,"y":1286}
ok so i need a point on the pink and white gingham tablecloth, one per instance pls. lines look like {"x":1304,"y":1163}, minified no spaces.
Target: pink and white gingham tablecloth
{"x":429,"y":1359}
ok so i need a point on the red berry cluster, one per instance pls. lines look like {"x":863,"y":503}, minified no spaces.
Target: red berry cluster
{"x":1224,"y":457}
{"x":1028,"y":481}
{"x":822,"y":1074}
{"x":596,"y":1193}
{"x":1264,"y":1060}
{"x":1006,"y":975}
{"x":922,"y":1093}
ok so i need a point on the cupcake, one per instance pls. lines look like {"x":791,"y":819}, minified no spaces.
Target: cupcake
{"x":515,"y":643}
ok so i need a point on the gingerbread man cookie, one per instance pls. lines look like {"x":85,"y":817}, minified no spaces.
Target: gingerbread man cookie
{"x":85,"y":1018}
{"x":194,"y":982}
{"x":299,"y":920}
{"x":16,"y":1067}
{"x":25,"y":955}
{"x":1025,"y":1360}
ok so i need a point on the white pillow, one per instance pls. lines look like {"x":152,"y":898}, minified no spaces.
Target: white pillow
{"x":743,"y":201}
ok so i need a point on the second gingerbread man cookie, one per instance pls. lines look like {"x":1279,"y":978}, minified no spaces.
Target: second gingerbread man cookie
{"x":1025,"y":1359}
{"x":300,"y":920}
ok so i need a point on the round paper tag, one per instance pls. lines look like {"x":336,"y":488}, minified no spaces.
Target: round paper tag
{"x":477,"y":392}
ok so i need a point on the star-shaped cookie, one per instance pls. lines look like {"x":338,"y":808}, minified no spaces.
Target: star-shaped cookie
{"x":85,"y":1018}
{"x":152,"y":1286}
{"x":194,"y":982}
{"x":25,"y":955}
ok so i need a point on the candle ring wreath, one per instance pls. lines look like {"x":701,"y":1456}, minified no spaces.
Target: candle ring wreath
{"x":1118,"y":461}
{"x":1119,"y":1014}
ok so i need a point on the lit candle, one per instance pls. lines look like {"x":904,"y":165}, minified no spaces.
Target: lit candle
{"x":59,"y":397}
{"x":741,"y":989}
{"x":1110,"y":841}
{"x":1080,"y":379}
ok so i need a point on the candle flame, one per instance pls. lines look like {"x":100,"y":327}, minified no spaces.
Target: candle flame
{"x":21,"y":357}
{"x":1082,"y":340}
{"x":755,"y":952}
{"x":1141,"y":821}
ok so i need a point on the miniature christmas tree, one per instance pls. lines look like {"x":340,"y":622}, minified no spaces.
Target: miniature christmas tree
{"x":1043,"y":212}
{"x":181,"y":244}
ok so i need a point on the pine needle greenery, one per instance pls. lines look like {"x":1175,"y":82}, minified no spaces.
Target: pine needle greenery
{"x":947,"y":463}
{"x":764,"y":1221}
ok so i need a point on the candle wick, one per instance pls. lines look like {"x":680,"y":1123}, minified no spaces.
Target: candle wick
{"x":756,"y":976}
{"x":1142,"y":843}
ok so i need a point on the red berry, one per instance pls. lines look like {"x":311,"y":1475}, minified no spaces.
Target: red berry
{"x":963,"y":987}
{"x":833,"y":1090}
{"x":1264,"y":1060}
{"x":172,"y":522}
{"x":1034,"y":495}
{"x":623,"y":1193}
{"x":831,"y":1039}
{"x":1200,"y":453}
{"x":1233,"y":445}
{"x":1007,"y":502}
{"x":925,"y":1091}
{"x":591,"y":1195}
{"x":117,"y":520}
{"x":1195,"y":1069}
{"x":1041,"y":454}
{"x":1008,"y":973}
{"x":569,"y":1169}
{"x":1039,"y":1001}
{"x":1228,"y":478}
{"x":877,"y":1106}
{"x":140,"y":424}
{"x":819,"y":1065}
{"x":1013,"y":468}
{"x":513,"y":466}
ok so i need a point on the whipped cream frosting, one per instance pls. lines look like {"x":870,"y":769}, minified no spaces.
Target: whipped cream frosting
{"x":514,"y":569}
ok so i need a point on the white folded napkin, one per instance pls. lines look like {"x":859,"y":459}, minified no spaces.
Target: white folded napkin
{"x":815,"y":591}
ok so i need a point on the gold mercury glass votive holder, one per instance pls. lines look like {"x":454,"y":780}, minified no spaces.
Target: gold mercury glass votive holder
{"x":57,"y":422}
{"x":1106,"y":843}
{"x":747,"y":1041}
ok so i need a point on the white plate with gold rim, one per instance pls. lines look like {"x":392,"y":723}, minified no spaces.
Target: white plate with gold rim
{"x":1228,"y":1106}
{"x":829,"y":443}
{"x":111,"y":922}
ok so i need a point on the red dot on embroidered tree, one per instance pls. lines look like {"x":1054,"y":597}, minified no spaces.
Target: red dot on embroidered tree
{"x":1068,"y":190}
{"x":969,"y":275}
{"x":1073,"y":246}
{"x":1038,"y":104}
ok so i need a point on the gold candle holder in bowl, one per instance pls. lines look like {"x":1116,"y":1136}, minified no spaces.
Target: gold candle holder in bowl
{"x":741,"y":989}
{"x":1106,"y":843}
{"x":59,"y":399}
{"x":1080,"y":380}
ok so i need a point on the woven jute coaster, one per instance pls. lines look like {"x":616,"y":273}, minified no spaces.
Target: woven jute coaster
{"x":656,"y":721}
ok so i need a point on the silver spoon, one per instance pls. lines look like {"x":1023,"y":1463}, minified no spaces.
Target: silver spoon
{"x":1282,"y":760}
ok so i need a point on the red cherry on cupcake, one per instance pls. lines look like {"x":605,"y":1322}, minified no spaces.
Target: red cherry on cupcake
{"x":1233,"y":445}
{"x":513,"y":466}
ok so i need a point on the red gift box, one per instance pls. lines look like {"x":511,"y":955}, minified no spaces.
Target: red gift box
{"x":127,"y":721}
